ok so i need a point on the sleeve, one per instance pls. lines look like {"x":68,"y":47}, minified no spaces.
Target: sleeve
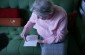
{"x":31,"y":21}
{"x":60,"y":31}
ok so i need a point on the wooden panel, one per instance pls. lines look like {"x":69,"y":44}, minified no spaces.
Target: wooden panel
{"x":11,"y":22}
{"x":9,"y":13}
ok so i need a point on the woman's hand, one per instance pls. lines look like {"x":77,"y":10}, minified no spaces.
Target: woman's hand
{"x":23,"y":35}
{"x":48,"y":40}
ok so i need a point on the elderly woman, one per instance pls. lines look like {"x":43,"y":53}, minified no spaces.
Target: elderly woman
{"x":50,"y":21}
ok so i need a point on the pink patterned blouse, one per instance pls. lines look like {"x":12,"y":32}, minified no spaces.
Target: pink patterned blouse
{"x":54,"y":28}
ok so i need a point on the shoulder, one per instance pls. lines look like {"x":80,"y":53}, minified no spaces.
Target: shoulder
{"x":33,"y":17}
{"x":61,"y":10}
{"x":60,"y":14}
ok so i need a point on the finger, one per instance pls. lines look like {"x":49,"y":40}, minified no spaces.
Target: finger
{"x":21,"y":36}
{"x":42,"y":41}
{"x":46,"y":41}
{"x":39,"y":41}
{"x":25,"y":39}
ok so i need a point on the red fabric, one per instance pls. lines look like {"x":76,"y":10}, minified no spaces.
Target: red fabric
{"x":11,"y":22}
{"x":9,"y":13}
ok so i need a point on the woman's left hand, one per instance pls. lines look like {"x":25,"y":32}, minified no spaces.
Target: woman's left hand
{"x":49,"y":40}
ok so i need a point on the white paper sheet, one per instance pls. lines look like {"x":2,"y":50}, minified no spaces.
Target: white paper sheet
{"x":31,"y":40}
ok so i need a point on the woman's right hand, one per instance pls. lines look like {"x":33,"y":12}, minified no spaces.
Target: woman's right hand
{"x":23,"y":35}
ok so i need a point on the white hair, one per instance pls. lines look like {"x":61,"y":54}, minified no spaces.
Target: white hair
{"x":43,"y":7}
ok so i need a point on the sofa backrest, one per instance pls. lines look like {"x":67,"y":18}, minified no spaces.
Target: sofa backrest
{"x":68,"y":5}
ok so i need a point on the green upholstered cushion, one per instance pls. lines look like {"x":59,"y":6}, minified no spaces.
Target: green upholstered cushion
{"x":37,"y":50}
{"x":12,"y":32}
{"x":31,"y":3}
{"x":13,"y":47}
{"x":4,"y":51}
{"x":25,"y":50}
{"x":29,"y":50}
{"x":23,"y":3}
{"x":4,"y":3}
{"x":13,"y":3}
{"x":3,"y":29}
{"x":68,"y":5}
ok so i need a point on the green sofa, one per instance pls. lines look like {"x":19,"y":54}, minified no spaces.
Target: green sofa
{"x":15,"y":46}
